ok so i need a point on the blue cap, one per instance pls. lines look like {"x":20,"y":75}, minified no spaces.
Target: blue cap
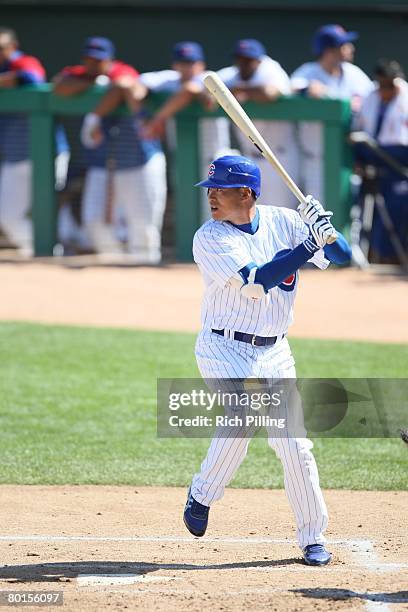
{"x":233,"y":171}
{"x":188,"y":51}
{"x":331,"y":36}
{"x":99,"y":48}
{"x":249,"y":47}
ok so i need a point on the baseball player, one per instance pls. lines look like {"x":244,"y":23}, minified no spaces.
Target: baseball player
{"x":384,"y":117}
{"x":16,"y":70}
{"x":255,"y":76}
{"x":249,"y":256}
{"x":139,"y":172}
{"x":331,"y":76}
{"x":184,"y":81}
{"x":187,"y":69}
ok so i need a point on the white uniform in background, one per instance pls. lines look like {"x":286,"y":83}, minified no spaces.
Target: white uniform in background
{"x":126,"y":173}
{"x":353,"y":84}
{"x":394,"y":127}
{"x":280,"y":135}
{"x":221,"y":250}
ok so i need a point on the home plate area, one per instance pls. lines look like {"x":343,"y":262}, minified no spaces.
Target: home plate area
{"x":238,"y":565}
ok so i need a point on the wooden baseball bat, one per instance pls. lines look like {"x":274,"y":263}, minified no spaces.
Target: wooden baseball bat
{"x":235,"y":111}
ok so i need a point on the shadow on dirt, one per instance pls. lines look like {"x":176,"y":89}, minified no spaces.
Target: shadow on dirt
{"x":59,"y":572}
{"x":342,"y":594}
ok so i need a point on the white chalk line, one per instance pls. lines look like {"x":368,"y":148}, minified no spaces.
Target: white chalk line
{"x":362,"y":551}
{"x":188,"y":539}
{"x":364,"y":548}
{"x":164,"y":539}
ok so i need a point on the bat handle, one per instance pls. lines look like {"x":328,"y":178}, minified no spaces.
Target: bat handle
{"x":334,"y":237}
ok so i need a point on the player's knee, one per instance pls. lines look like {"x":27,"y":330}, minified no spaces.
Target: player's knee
{"x":284,"y":446}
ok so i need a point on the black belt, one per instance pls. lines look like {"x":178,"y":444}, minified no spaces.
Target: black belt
{"x":249,"y":338}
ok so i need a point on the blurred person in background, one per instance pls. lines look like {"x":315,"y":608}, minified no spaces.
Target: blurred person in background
{"x":257,"y":77}
{"x":184,"y":84}
{"x":384,"y":117}
{"x":332,"y":75}
{"x":125,"y":170}
{"x":183,"y":79}
{"x":16,"y":70}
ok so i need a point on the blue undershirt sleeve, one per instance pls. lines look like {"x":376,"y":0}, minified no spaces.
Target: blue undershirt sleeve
{"x":274,"y":272}
{"x":339,"y":252}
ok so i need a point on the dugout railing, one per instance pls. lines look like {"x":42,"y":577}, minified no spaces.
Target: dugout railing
{"x":42,"y":107}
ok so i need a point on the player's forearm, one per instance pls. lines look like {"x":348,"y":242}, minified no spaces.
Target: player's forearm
{"x":8,"y":79}
{"x":135,"y":95}
{"x":274,"y":272}
{"x":110,"y":102}
{"x":71,"y":86}
{"x":127,"y":91}
{"x":339,"y":252}
{"x":267,"y":93}
{"x":174,"y":104}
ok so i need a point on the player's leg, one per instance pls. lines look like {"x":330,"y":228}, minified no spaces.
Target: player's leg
{"x":291,"y":446}
{"x":302,"y":488}
{"x":142,"y":195}
{"x":15,"y":203}
{"x":227,"y":451}
{"x":221,"y":361}
{"x":311,"y":145}
{"x":94,"y":201}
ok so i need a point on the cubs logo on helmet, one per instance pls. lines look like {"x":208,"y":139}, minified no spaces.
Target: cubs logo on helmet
{"x":211,"y":170}
{"x":290,"y":282}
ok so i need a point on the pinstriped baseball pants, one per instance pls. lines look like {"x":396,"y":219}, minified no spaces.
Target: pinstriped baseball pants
{"x":219,"y":358}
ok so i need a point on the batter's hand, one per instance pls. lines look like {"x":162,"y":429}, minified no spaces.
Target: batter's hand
{"x":310,"y":210}
{"x":321,"y":231}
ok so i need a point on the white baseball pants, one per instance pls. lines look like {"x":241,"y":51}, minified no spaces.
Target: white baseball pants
{"x":140,"y":195}
{"x":15,"y":203}
{"x":218,"y":357}
{"x":311,"y":153}
{"x":281,"y":137}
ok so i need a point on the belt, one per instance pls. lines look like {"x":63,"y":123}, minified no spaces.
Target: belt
{"x":249,"y":338}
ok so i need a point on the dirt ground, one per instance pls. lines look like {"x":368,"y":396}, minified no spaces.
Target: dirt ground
{"x":74,"y":540}
{"x":340,"y":304}
{"x":118,"y":548}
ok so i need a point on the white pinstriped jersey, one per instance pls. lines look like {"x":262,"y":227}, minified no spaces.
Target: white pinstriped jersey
{"x":220,"y":249}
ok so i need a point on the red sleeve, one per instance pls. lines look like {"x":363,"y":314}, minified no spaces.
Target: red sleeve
{"x":74,"y":71}
{"x":28,"y":65}
{"x":119,"y":69}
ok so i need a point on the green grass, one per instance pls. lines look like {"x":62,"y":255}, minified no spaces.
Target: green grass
{"x":78,"y":405}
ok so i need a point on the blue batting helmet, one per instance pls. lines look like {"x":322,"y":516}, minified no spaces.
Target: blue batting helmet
{"x":233,"y":171}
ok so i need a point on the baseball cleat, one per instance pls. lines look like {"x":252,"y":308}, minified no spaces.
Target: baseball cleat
{"x":195,"y":516}
{"x":316,"y":554}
